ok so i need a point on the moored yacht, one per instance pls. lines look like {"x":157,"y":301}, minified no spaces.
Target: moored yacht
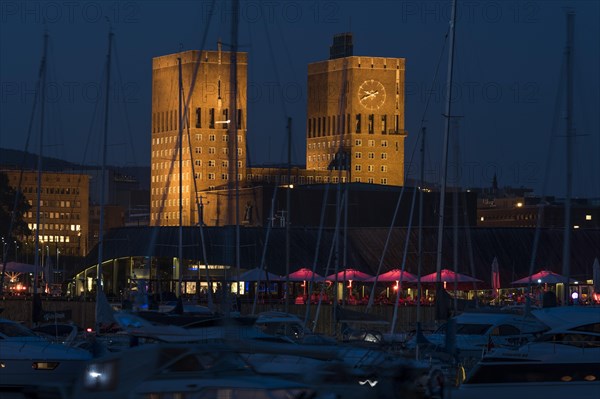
{"x":27,"y":359}
{"x":564,"y":362}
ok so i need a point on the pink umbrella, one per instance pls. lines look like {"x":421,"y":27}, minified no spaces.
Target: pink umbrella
{"x":305,"y":274}
{"x":449,"y":277}
{"x":543,"y":277}
{"x":395,"y":275}
{"x":350,"y":275}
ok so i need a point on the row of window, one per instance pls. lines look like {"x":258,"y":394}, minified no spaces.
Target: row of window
{"x":170,"y":153}
{"x":357,"y":155}
{"x":370,"y":168}
{"x":52,"y":190}
{"x":212,"y":163}
{"x":56,"y":215}
{"x":47,"y":238}
{"x":171,"y":202}
{"x":337,"y":124}
{"x":165,"y":121}
{"x":173,"y":189}
{"x":55,"y":226}
{"x":307,"y":179}
{"x":336,"y":144}
{"x":198,"y":137}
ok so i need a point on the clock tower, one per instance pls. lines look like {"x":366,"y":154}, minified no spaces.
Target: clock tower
{"x":356,"y":112}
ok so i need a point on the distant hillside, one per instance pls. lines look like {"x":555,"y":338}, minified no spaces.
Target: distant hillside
{"x":16,"y":159}
{"x":13,"y":159}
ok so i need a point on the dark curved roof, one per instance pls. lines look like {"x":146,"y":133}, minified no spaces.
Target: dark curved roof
{"x":512,"y":247}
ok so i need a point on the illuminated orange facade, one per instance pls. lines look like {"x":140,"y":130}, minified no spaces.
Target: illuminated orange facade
{"x":358,"y":101}
{"x":211,"y":145}
{"x":64,"y":211}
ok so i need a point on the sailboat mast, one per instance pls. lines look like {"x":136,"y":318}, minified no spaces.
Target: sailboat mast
{"x":566,"y":266}
{"x":445,"y":148}
{"x":233,"y":126}
{"x":103,"y":170}
{"x":420,"y":231}
{"x":180,"y":246}
{"x":287,"y":216}
{"x":42,"y":86}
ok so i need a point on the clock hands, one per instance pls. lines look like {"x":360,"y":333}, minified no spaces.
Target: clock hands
{"x":369,"y":94}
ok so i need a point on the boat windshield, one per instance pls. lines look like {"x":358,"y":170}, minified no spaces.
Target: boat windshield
{"x":467,"y":329}
{"x":204,"y":361}
{"x":573,"y":339}
{"x":11,"y":330}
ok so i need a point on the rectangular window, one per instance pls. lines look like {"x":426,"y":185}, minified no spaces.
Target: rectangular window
{"x":225,"y":164}
{"x":357,"y":168}
{"x":225,"y":115}
{"x":211,"y":115}
{"x":358,"y":142}
{"x":358,"y":155}
{"x":370,"y":180}
{"x":211,"y":150}
{"x":348,"y":124}
{"x":198,"y":117}
{"x":370,"y":168}
{"x":224,"y":176}
{"x":211,"y":176}
{"x":238,"y":121}
{"x":239,"y":151}
{"x":358,"y":116}
{"x":384,"y":143}
{"x":384,"y":180}
{"x":211,"y":163}
{"x":396,"y":123}
{"x":371,"y":124}
{"x":225,"y":151}
{"x":357,"y":179}
{"x":371,"y":143}
{"x":198,"y":162}
{"x":384,"y":124}
{"x":318,"y":127}
{"x":198,"y":137}
{"x":371,"y":155}
{"x":384,"y":155}
{"x":225,"y":138}
{"x":383,"y":168}
{"x":211,"y":137}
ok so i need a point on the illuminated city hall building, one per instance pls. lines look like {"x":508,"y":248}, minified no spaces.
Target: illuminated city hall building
{"x":210,"y":145}
{"x":356,"y":115}
{"x":355,"y":130}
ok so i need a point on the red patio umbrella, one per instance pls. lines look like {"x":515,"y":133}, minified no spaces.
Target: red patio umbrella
{"x":304,"y":274}
{"x":543,"y":277}
{"x":448,"y":276}
{"x":395,"y":275}
{"x":350,"y":275}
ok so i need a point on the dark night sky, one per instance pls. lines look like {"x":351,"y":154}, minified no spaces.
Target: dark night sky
{"x":507,"y":77}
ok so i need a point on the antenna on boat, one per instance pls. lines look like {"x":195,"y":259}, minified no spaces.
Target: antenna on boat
{"x":448,"y":116}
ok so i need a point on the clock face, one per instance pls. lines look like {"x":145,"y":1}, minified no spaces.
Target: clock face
{"x":371,"y":94}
